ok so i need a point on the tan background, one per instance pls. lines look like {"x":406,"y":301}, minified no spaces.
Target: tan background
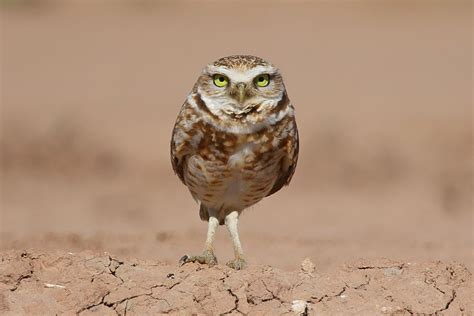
{"x":383,"y":92}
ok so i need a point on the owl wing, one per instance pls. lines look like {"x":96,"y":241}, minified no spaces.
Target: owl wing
{"x":177,"y":161}
{"x":181,"y":144}
{"x":289,"y":161}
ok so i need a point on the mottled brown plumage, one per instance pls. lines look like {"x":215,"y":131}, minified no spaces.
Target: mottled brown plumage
{"x":241,"y":61}
{"x":235,"y":142}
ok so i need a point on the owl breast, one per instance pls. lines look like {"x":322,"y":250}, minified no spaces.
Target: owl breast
{"x":235,"y":173}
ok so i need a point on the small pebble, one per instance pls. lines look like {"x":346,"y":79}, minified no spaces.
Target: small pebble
{"x":300,"y":307}
{"x":49,"y":286}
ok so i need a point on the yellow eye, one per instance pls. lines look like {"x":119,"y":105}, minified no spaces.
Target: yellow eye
{"x":262,"y":80}
{"x":220,"y":80}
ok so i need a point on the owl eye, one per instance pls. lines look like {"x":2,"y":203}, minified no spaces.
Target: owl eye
{"x":262,"y":80}
{"x":220,"y":80}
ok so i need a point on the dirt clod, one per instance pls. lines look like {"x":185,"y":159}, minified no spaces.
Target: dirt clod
{"x":307,"y":266}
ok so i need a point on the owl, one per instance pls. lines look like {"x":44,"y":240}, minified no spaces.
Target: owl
{"x":235,"y":142}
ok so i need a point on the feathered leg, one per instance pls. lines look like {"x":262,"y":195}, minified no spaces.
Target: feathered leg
{"x":231,"y":222}
{"x":207,"y":256}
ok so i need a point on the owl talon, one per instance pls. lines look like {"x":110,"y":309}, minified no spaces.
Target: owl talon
{"x":237,"y":264}
{"x":206,"y":258}
{"x":184,"y":259}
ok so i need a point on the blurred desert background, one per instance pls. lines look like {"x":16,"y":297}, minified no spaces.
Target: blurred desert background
{"x":383,"y":91}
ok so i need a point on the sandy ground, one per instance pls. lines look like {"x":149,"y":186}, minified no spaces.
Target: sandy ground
{"x":383,"y":94}
{"x":86,"y":283}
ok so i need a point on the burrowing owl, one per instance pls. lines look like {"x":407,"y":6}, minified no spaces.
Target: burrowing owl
{"x":235,"y":142}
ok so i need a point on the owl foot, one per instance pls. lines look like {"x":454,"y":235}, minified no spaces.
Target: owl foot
{"x":207,"y":257}
{"x":237,"y":264}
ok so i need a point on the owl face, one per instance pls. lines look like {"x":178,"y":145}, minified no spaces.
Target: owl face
{"x":238,"y":85}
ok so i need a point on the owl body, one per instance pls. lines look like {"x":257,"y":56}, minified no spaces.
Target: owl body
{"x":234,"y":145}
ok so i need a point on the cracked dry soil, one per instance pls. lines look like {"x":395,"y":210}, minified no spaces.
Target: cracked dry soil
{"x":89,"y":283}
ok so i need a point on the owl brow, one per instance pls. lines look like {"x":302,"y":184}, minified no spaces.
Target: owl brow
{"x":258,"y":70}
{"x":248,"y":76}
{"x":218,"y":74}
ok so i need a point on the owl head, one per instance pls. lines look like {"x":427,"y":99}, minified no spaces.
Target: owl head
{"x":237,"y":86}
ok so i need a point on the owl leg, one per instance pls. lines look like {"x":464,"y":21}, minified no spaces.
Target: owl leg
{"x":231,"y":221}
{"x":207,"y":256}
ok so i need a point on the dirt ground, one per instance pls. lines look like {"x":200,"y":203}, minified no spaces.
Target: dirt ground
{"x":383,"y":94}
{"x":86,"y":283}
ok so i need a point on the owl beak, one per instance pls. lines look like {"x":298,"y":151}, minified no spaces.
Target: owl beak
{"x":241,"y":92}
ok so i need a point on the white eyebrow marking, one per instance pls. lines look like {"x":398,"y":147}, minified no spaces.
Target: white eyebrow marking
{"x":236,"y":75}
